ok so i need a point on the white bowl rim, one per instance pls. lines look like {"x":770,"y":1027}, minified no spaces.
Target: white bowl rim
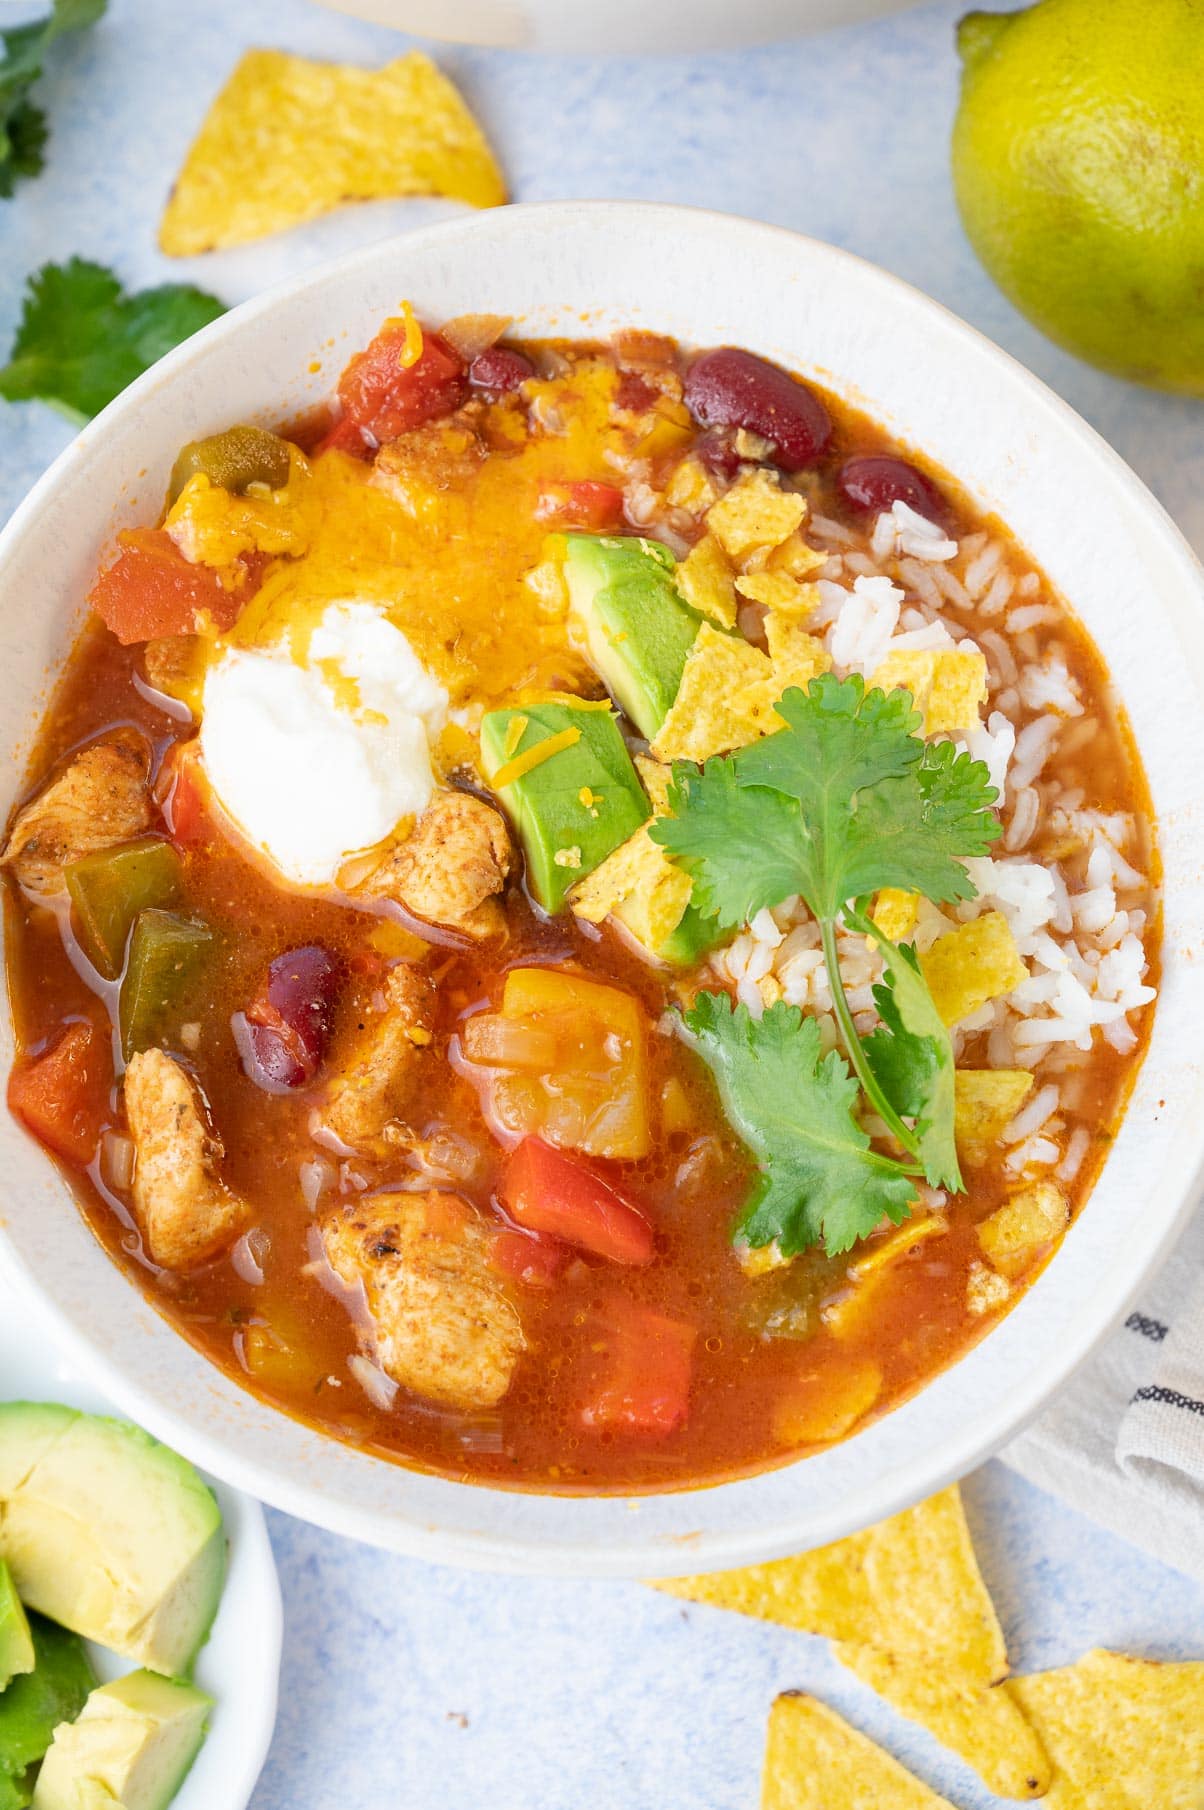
{"x":892,"y":1490}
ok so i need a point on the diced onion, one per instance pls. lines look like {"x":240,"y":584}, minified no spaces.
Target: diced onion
{"x":117,"y":1155}
{"x":496,"y":1041}
{"x":379,"y":1388}
{"x":469,"y":334}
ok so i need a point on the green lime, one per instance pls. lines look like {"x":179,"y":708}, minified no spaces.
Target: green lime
{"x":1078,"y":163}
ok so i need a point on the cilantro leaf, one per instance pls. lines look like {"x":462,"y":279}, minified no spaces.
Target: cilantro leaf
{"x":911,"y":1056}
{"x":22,"y":125}
{"x":743,"y":848}
{"x":794,"y":1108}
{"x":82,"y":339}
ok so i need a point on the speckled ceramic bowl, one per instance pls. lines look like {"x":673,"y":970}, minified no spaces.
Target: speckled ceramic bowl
{"x":586,"y":269}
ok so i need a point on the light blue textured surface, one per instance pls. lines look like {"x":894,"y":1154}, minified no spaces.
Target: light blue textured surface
{"x":407,"y":1686}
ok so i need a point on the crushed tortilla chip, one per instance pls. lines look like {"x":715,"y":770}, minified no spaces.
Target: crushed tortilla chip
{"x":895,"y":912}
{"x":910,"y":1585}
{"x":213,"y":527}
{"x":1015,"y":1233}
{"x":704,"y":579}
{"x":755,"y":513}
{"x":691,"y":487}
{"x":639,"y":885}
{"x":986,"y":1102}
{"x":814,"y":1760}
{"x":797,"y":656}
{"x":288,"y":139}
{"x":657,"y":780}
{"x":793,"y":555}
{"x":949,"y":684}
{"x":972,"y":964}
{"x":984,"y":1725}
{"x":779,"y":592}
{"x":1120,"y":1732}
{"x":723,"y":700}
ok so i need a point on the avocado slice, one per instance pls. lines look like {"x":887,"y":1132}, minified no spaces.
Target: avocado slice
{"x":109,"y":1532}
{"x":36,"y":1702}
{"x":16,"y":1642}
{"x":636,"y":627}
{"x":573,"y":808}
{"x":130,"y":1747}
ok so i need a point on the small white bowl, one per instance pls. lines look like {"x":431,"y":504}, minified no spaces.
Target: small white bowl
{"x":584,"y":269}
{"x":614,"y":25}
{"x":239,"y":1665}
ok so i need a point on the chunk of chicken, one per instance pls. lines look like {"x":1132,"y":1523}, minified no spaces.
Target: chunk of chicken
{"x":186,"y":1211}
{"x":451,"y":867}
{"x":442,"y":1324}
{"x":99,"y":799}
{"x":368,"y":1101}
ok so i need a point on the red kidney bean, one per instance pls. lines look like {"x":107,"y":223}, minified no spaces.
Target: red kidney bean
{"x":877,"y":480}
{"x":499,"y":370}
{"x":731,"y":388}
{"x":283,"y":1034}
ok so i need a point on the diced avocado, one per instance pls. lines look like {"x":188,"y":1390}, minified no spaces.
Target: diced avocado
{"x":35,"y":1703}
{"x":16,"y":1793}
{"x":574,"y":807}
{"x":636,"y":626}
{"x":109,"y":1532}
{"x":131,"y":1746}
{"x":690,"y":940}
{"x":16,"y":1642}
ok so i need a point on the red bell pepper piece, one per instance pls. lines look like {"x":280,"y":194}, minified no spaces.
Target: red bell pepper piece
{"x":385,"y":397}
{"x":151,"y":590}
{"x":547,"y":1191}
{"x":528,"y":1258}
{"x":584,"y":504}
{"x":63,"y":1094}
{"x":644,"y":1385}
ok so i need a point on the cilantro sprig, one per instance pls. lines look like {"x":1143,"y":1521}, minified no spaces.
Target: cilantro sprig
{"x":23,"y":129}
{"x":845,"y":799}
{"x":82,"y":338}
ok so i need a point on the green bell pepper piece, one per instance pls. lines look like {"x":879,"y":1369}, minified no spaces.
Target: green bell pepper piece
{"x":109,"y":889}
{"x":233,"y":460}
{"x":165,"y":952}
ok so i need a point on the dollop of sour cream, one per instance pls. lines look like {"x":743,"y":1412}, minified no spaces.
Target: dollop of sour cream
{"x":315,"y":761}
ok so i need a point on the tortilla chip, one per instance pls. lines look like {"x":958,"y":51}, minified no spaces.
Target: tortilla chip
{"x":986,"y":1102}
{"x":755,"y":513}
{"x":797,"y":656}
{"x":985,"y":1725}
{"x":1120,"y":1732}
{"x":657,"y":780}
{"x":704,"y":579}
{"x":815,"y":1761}
{"x":793,"y":555}
{"x":911,"y":1585}
{"x":779,"y":592}
{"x":288,"y":139}
{"x":949,"y":684}
{"x":972,"y":964}
{"x":1015,"y":1233}
{"x":895,"y":912}
{"x":724,"y":699}
{"x":638,"y":885}
{"x":690,"y":487}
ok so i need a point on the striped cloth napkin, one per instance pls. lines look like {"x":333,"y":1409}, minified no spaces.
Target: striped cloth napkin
{"x":1124,"y":1441}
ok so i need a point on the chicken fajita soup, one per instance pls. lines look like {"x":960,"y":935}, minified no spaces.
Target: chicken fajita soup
{"x":580,"y":921}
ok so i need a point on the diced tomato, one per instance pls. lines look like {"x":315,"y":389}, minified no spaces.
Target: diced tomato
{"x":182,"y":792}
{"x":547,"y":1191}
{"x":63,"y":1095}
{"x":585,"y":504}
{"x":385,"y":397}
{"x":152,"y":590}
{"x":644,"y":1385}
{"x":529,"y":1258}
{"x":345,"y":436}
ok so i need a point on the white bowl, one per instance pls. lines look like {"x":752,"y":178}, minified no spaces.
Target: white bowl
{"x":614,"y":25}
{"x":585,"y":269}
